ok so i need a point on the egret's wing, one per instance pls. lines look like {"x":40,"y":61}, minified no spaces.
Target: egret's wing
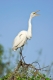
{"x":19,"y":40}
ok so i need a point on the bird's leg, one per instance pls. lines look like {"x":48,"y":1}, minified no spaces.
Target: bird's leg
{"x":21,"y":54}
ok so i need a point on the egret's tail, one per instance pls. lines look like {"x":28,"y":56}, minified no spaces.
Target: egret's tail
{"x":14,"y":49}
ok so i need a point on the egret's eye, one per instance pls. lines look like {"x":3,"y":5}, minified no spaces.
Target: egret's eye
{"x":34,"y":13}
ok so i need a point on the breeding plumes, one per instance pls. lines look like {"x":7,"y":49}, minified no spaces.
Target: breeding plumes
{"x":23,"y":36}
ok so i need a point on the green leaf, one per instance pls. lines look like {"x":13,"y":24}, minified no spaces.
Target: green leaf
{"x":47,"y":79}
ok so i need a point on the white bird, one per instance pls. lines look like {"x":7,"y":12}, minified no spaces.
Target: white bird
{"x":23,"y":36}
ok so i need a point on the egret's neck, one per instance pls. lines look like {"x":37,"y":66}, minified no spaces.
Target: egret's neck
{"x":29,"y":28}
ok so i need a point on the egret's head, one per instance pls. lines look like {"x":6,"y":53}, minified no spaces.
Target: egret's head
{"x":33,"y":14}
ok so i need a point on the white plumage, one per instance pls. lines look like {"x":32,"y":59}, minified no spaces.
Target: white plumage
{"x":23,"y":36}
{"x":20,"y":40}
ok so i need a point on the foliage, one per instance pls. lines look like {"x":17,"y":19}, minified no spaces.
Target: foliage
{"x":1,"y":50}
{"x":25,"y":71}
{"x":2,"y":65}
{"x":17,"y":77}
{"x":4,"y":62}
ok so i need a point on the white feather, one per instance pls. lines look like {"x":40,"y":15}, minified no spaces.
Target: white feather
{"x":22,"y":37}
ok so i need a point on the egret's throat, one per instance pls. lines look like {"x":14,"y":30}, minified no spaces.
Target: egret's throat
{"x":29,"y":28}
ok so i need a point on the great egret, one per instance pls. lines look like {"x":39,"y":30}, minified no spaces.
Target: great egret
{"x":23,"y":36}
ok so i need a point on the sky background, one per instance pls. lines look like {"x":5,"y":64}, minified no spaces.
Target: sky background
{"x":14,"y":15}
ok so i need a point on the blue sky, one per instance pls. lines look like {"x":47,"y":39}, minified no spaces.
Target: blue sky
{"x":14,"y":15}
